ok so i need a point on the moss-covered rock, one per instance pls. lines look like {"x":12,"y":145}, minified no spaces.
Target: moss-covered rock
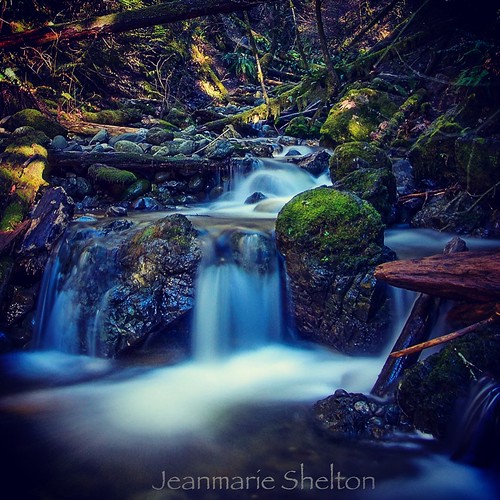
{"x":138,"y":188}
{"x":351,"y":156}
{"x":128,"y":147}
{"x":478,"y":163}
{"x":431,"y":392}
{"x":357,"y":115}
{"x":110,"y":175}
{"x":331,"y":241}
{"x":12,"y":215}
{"x":179,"y":118}
{"x":433,"y":155}
{"x":377,"y":186}
{"x":303,"y":128}
{"x":33,"y":118}
{"x":112,"y":116}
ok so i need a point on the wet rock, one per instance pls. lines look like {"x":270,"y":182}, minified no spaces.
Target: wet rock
{"x":34,"y":118}
{"x":231,"y":133}
{"x":315,"y":163}
{"x":48,"y":222}
{"x":255,"y":198}
{"x":158,"y":136}
{"x":216,"y":192}
{"x":254,"y":252}
{"x":293,"y":152}
{"x":137,"y":137}
{"x":137,"y":189}
{"x":332,"y":242}
{"x":196,"y":184}
{"x":124,"y":146}
{"x":161,"y":152}
{"x":357,"y":416}
{"x":219,"y":150}
{"x":181,"y":147}
{"x":403,"y":173}
{"x":22,"y":301}
{"x":101,"y":137}
{"x":146,"y":203}
{"x":303,"y":127}
{"x":59,"y":143}
{"x":116,"y":211}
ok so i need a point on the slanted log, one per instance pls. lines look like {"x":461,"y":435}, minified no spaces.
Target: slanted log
{"x":470,"y":276}
{"x":135,"y":162}
{"x":168,"y":12}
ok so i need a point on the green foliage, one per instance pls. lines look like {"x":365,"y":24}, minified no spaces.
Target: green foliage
{"x":472,"y":77}
{"x":241,"y":63}
{"x":110,"y":175}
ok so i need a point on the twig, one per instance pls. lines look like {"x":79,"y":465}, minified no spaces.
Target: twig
{"x":448,"y":337}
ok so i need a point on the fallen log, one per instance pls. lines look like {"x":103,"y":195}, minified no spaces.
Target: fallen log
{"x":79,"y":162}
{"x":89,"y":128}
{"x":472,"y":276}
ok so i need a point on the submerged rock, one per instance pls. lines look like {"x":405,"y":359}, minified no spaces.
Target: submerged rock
{"x":332,"y":241}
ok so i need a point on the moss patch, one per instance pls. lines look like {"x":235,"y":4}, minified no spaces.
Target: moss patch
{"x":12,"y":216}
{"x":33,"y":118}
{"x":357,"y":115}
{"x":111,"y":175}
{"x":112,"y":116}
{"x":351,"y":156}
{"x":333,"y":227}
{"x":303,"y":128}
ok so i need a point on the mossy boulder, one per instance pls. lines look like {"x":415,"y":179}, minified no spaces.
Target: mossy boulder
{"x":331,"y":241}
{"x":37,"y":120}
{"x":433,"y":154}
{"x":128,"y":147}
{"x":431,"y":392}
{"x":478,"y":162}
{"x":105,"y":174}
{"x":351,"y":156}
{"x":357,"y":115}
{"x":303,"y":128}
{"x":112,"y":116}
{"x":377,"y":186}
{"x":158,"y":135}
{"x":137,"y":189}
{"x":179,"y":118}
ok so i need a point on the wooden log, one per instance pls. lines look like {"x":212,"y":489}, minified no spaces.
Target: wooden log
{"x":167,"y":12}
{"x":89,"y":128}
{"x":134,"y":162}
{"x":470,"y":276}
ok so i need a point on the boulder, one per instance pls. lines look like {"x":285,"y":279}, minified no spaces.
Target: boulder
{"x":33,"y":118}
{"x":124,"y":146}
{"x":315,"y":163}
{"x":303,"y":128}
{"x":219,"y":150}
{"x":158,"y":135}
{"x":137,"y":189}
{"x":332,"y":241}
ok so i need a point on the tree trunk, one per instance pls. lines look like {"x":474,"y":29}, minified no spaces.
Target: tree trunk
{"x":168,"y":12}
{"x":471,"y":276}
{"x":298,"y":38}
{"x":332,"y":74}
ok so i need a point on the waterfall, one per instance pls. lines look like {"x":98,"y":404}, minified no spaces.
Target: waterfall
{"x":238,"y":302}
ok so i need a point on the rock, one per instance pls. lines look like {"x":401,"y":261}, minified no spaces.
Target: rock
{"x":33,"y":118}
{"x":48,"y":222}
{"x":196,"y":183}
{"x":478,"y":163}
{"x":332,"y":242}
{"x":161,"y":151}
{"x":255,"y":198}
{"x":74,"y":147}
{"x":116,"y":211}
{"x":377,"y":186}
{"x":178,"y":118}
{"x":158,"y":136}
{"x":124,"y":146}
{"x":215,"y":193}
{"x":357,"y":115}
{"x":454,"y":213}
{"x":137,"y":189}
{"x":433,"y":154}
{"x":110,"y":175}
{"x":59,"y":143}
{"x":357,"y":416}
{"x":156,"y":285}
{"x":352,"y":156}
{"x":101,"y":137}
{"x":146,"y":203}
{"x":293,"y":152}
{"x":219,"y":150}
{"x":98,"y":148}
{"x":253,"y":252}
{"x":21,"y":302}
{"x":430,"y":391}
{"x":403,"y":173}
{"x":315,"y":163}
{"x":137,"y":137}
{"x":229,"y":132}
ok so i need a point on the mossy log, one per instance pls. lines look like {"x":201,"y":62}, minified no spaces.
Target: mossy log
{"x":90,"y":128}
{"x":168,"y":12}
{"x":132,"y":161}
{"x":470,"y":276}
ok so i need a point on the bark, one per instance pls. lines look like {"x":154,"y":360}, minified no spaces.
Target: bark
{"x":130,"y":161}
{"x":470,"y":276}
{"x":169,"y":12}
{"x":332,"y":74}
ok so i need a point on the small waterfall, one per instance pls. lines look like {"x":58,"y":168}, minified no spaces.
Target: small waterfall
{"x":238,"y":303}
{"x":479,"y":431}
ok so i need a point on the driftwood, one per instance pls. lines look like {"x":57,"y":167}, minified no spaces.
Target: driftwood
{"x":89,"y":128}
{"x":446,"y":338}
{"x":132,"y":161}
{"x":417,"y":329}
{"x":167,"y":12}
{"x":473,"y":276}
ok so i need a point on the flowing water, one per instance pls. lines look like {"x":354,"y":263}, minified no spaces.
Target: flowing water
{"x":233,"y":420}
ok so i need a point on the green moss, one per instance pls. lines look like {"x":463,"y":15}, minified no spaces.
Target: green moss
{"x":333,"y":227}
{"x":303,"y":128}
{"x":12,"y":216}
{"x":138,"y":188}
{"x":351,"y":156}
{"x":433,"y":155}
{"x":377,"y":186}
{"x":478,"y":163}
{"x":33,"y":118}
{"x":112,"y":116}
{"x":357,"y":115}
{"x":111,"y":175}
{"x":430,"y":390}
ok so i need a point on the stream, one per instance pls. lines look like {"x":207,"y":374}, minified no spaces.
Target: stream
{"x":232,"y":418}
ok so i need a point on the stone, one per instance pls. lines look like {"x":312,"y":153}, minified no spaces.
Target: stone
{"x":137,"y":137}
{"x":116,"y":211}
{"x":255,"y":198}
{"x":37,"y":120}
{"x":405,"y":181}
{"x":157,"y":136}
{"x":219,"y":150}
{"x":125,"y":146}
{"x":59,"y":143}
{"x":101,"y":137}
{"x":331,"y":242}
{"x":146,"y":203}
{"x":315,"y":163}
{"x":137,"y":189}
